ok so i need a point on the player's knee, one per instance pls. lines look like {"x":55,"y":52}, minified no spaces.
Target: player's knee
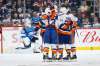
{"x":68,"y":46}
{"x":27,"y":46}
{"x":73,"y":49}
{"x":26,"y":40}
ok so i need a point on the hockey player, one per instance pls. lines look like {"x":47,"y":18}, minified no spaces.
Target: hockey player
{"x":28,"y":36}
{"x":45,"y":53}
{"x":31,"y":35}
{"x":35,"y":19}
{"x":44,"y":20}
{"x":36,"y":22}
{"x":53,"y":15}
{"x":66,"y":32}
{"x":49,"y":34}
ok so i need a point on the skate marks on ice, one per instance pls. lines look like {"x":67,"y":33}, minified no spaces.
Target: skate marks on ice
{"x":85,"y":58}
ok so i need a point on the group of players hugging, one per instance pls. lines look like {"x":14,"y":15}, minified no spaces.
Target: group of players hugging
{"x":56,"y":30}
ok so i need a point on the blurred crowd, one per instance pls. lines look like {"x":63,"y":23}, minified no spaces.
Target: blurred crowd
{"x":13,"y":14}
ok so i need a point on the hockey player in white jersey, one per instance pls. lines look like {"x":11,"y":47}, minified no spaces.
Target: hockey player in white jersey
{"x":66,"y":26}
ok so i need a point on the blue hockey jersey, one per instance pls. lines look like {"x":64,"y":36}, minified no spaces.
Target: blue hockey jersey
{"x":36,"y":19}
{"x":28,"y":32}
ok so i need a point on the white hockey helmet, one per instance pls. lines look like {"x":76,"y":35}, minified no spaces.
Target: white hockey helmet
{"x":73,"y":18}
{"x":47,"y":10}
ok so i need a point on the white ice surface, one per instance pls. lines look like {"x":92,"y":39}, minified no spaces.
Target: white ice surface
{"x":85,"y":58}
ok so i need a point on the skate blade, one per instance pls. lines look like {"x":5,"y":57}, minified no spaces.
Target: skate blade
{"x":70,"y":60}
{"x":73,"y":60}
{"x":21,"y":48}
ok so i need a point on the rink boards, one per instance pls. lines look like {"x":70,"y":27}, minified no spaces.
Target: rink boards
{"x":85,"y":39}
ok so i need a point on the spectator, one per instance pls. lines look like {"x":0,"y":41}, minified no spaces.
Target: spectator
{"x":4,"y":11}
{"x":74,"y":4}
{"x":15,"y":18}
{"x":1,"y":18}
{"x":91,"y":19}
{"x":21,"y":16}
{"x":7,"y":19}
{"x":84,"y":9}
{"x":35,"y":7}
{"x":85,"y":20}
{"x":20,"y":10}
{"x":44,"y":6}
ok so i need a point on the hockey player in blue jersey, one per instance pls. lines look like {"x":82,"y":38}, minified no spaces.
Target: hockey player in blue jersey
{"x":36,"y":21}
{"x":30,"y":35}
{"x":35,"y":18}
